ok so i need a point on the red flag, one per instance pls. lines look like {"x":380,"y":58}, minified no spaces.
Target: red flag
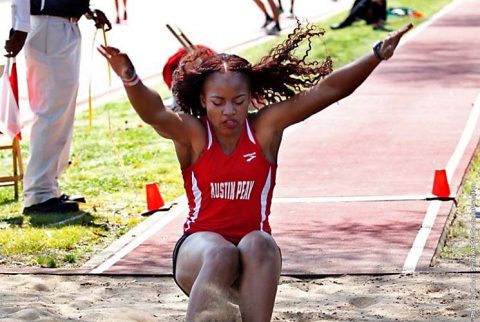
{"x":9,"y":113}
{"x":14,"y":81}
{"x":14,"y":84}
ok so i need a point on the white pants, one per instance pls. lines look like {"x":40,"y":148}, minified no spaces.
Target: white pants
{"x":52,"y":54}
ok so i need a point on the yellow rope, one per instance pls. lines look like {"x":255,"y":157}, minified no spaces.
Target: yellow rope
{"x":90,"y":105}
{"x":108,"y":65}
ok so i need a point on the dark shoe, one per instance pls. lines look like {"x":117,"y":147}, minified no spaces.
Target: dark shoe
{"x":117,"y":21}
{"x":275,"y":30}
{"x":268,"y":21}
{"x":53,"y":205}
{"x":125,"y":17}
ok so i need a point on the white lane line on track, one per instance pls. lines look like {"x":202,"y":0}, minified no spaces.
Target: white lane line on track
{"x":349,"y":199}
{"x":416,"y":251}
{"x":155,"y":223}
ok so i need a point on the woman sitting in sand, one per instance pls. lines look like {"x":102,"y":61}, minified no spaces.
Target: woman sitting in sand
{"x":228,"y":156}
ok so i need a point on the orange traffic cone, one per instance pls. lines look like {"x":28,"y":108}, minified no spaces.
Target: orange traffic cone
{"x":441,"y":187}
{"x":154,"y":198}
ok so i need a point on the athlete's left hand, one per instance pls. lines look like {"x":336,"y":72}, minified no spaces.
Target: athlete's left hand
{"x":391,"y":41}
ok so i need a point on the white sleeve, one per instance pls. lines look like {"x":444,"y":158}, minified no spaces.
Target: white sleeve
{"x":21,"y":18}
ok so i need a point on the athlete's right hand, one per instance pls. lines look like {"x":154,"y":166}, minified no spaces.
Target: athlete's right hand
{"x":121,"y":64}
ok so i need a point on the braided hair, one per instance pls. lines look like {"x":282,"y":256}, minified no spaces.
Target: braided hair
{"x":278,"y":76}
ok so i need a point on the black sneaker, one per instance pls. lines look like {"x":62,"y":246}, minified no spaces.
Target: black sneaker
{"x":53,"y":205}
{"x":275,"y":30}
{"x":268,"y":20}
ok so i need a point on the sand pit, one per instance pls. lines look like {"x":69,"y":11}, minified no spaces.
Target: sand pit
{"x":418,"y":297}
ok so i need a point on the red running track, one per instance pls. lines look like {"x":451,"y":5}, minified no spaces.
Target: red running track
{"x":385,"y":139}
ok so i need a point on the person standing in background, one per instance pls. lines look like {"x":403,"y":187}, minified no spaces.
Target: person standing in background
{"x":52,"y":55}
{"x":275,"y":17}
{"x":280,"y":7}
{"x":125,"y":16}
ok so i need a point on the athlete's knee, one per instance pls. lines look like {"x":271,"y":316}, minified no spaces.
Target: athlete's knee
{"x":224,"y":260}
{"x":259,"y":247}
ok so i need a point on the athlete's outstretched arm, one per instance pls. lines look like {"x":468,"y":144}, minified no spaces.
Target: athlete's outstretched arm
{"x":147,"y":103}
{"x":334,"y":87}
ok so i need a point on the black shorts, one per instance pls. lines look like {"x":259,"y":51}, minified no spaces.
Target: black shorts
{"x":174,"y":259}
{"x":175,"y":255}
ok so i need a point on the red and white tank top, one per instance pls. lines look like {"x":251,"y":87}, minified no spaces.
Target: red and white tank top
{"x":229,"y":194}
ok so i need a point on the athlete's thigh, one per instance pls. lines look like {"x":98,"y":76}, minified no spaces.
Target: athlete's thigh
{"x":191,"y":256}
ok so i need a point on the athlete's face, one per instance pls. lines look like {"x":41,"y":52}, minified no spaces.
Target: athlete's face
{"x":226,"y":97}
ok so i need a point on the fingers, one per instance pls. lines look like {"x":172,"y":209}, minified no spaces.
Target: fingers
{"x":390,"y":43}
{"x":113,"y":50}
{"x":402,"y":31}
{"x":107,"y":51}
{"x":394,"y":37}
{"x":102,"y":51}
{"x":110,"y":49}
{"x":406,"y":28}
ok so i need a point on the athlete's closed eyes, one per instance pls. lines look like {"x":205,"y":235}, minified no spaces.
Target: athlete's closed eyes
{"x":221,"y":102}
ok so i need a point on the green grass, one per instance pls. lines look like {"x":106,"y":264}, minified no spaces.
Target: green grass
{"x":457,"y":245}
{"x":346,"y":44}
{"x":112,"y":162}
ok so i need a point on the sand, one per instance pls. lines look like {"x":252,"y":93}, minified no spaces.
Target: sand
{"x":418,"y":297}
